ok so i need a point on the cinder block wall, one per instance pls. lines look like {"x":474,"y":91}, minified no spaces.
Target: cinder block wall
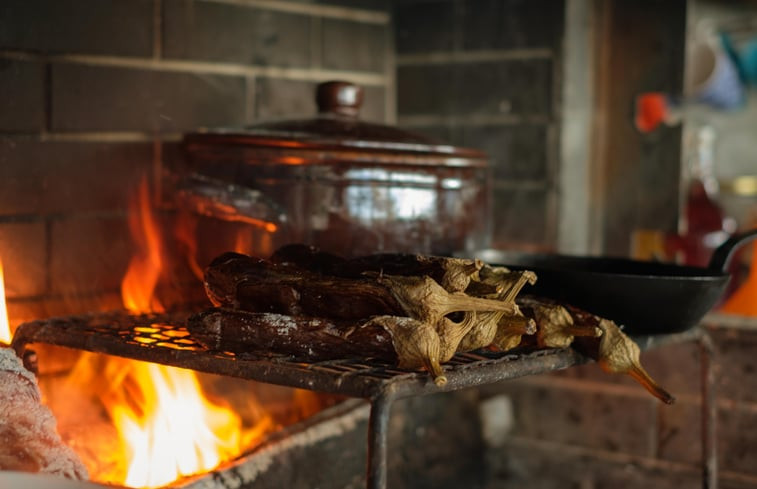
{"x":487,"y":74}
{"x":584,"y":428}
{"x":95,"y":94}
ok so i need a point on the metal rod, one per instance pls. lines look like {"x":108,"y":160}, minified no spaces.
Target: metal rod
{"x":378,"y":427}
{"x":708,"y":415}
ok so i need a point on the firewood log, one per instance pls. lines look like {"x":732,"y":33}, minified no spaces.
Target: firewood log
{"x":28,"y":438}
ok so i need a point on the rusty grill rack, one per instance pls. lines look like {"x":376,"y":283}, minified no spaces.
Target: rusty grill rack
{"x":164,"y":338}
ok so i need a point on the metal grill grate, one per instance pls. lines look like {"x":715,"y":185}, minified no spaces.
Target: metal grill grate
{"x":164,"y":338}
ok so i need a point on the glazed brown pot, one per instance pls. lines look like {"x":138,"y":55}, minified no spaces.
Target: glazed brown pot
{"x":347,"y":186}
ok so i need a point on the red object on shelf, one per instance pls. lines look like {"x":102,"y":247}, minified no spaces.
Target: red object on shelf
{"x":706,"y":225}
{"x":705,"y":220}
{"x":651,"y":111}
{"x":705,"y":228}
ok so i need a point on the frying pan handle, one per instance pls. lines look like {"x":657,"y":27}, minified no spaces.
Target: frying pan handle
{"x":722,"y":254}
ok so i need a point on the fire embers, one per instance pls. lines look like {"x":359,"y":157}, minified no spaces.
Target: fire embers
{"x":417,"y":311}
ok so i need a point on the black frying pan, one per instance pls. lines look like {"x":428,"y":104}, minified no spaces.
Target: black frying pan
{"x":644,"y":297}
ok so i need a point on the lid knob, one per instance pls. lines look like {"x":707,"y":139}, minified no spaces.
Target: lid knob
{"x":339,"y":97}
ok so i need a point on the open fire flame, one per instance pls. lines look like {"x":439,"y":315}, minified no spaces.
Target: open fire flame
{"x":141,"y":278}
{"x":166,"y":425}
{"x":5,"y":327}
{"x":171,"y":430}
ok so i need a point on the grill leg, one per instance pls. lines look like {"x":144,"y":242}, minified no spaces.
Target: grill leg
{"x":378,"y":425}
{"x":709,"y":415}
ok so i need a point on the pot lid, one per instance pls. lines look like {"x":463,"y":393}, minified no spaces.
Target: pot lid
{"x":336,"y":127}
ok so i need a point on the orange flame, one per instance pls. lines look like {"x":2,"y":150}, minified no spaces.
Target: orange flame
{"x":5,"y":328}
{"x":247,"y":243}
{"x":167,"y":427}
{"x":173,"y":430}
{"x":138,"y":285}
{"x":243,"y":242}
{"x":185,"y":233}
